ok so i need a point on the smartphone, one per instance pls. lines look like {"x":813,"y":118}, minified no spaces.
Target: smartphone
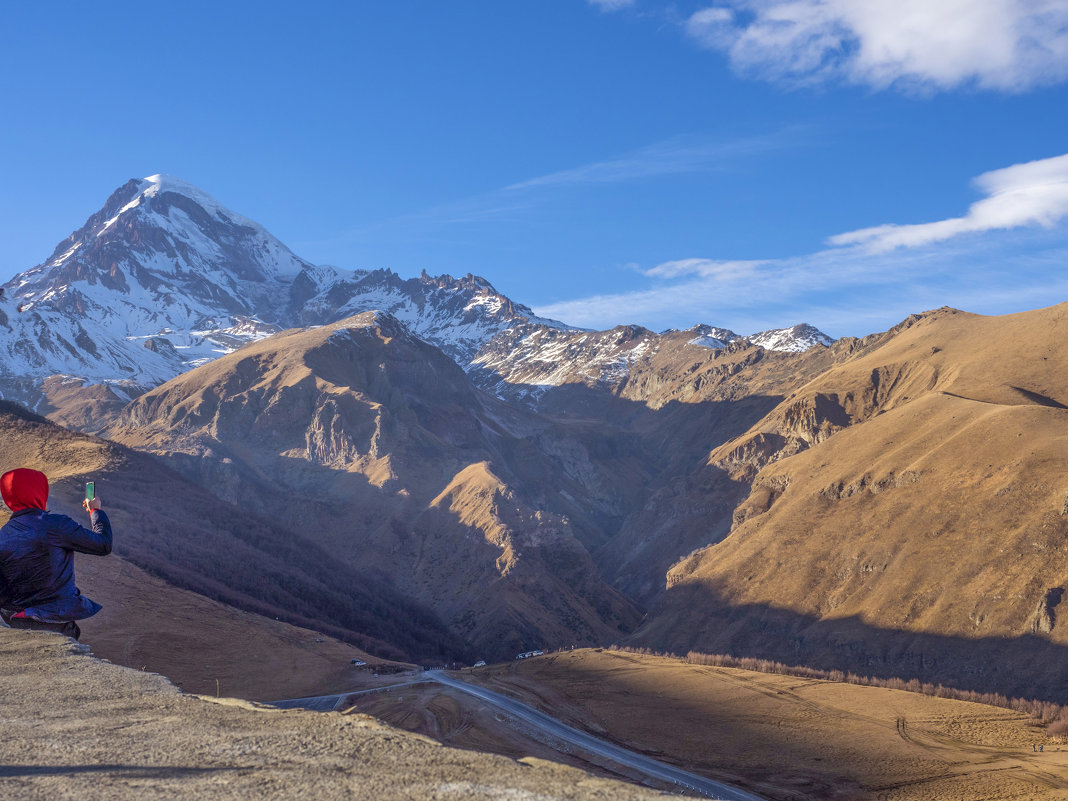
{"x":90,"y":490}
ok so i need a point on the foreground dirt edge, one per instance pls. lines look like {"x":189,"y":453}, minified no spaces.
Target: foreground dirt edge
{"x":75,"y":726}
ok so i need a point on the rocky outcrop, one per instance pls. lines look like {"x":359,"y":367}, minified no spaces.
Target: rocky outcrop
{"x":1045,"y":615}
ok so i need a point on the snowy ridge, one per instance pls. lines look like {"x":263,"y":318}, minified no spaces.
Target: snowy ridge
{"x":709,"y":336}
{"x":164,"y":278}
{"x":796,"y":339}
{"x":523,"y":362}
{"x":457,"y":315}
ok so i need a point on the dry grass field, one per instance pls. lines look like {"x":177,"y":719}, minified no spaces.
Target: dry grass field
{"x":149,"y":624}
{"x":791,"y":738}
{"x":786,"y":738}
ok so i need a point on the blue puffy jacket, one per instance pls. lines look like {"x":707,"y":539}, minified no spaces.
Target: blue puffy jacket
{"x":37,"y":563}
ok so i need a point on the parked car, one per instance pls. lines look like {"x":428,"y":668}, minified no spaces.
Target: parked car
{"x":358,"y":662}
{"x":480,"y":663}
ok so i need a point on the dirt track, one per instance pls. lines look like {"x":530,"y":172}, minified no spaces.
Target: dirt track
{"x":74,"y":727}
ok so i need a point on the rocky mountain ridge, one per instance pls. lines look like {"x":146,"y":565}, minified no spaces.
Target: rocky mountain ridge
{"x":164,"y":278}
{"x":397,"y":464}
{"x":526,"y":363}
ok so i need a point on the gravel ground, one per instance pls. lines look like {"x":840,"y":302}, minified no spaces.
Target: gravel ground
{"x":72,"y":726}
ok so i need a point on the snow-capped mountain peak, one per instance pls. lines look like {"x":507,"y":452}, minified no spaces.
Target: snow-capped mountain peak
{"x":795,"y":339}
{"x":709,"y":336}
{"x":161,"y":279}
{"x":164,"y":278}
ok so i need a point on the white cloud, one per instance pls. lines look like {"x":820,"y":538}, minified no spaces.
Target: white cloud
{"x":705,"y":268}
{"x":872,"y":278}
{"x":1007,"y":45}
{"x":844,"y":292}
{"x":1030,"y":194}
{"x":611,"y":5}
{"x":726,"y":293}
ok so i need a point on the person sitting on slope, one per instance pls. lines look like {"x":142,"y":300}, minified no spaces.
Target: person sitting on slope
{"x":37,"y":588}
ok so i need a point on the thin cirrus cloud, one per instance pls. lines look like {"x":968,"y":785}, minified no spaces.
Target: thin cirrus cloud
{"x":869,"y":278}
{"x":611,"y":5}
{"x":1004,"y":45}
{"x":677,"y":156}
{"x":705,"y":268}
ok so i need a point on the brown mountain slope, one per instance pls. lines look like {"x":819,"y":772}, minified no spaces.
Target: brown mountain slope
{"x":205,"y":646}
{"x":647,"y":408}
{"x":376,"y":447}
{"x":907,"y":515}
{"x":685,"y":401}
{"x":184,"y":535}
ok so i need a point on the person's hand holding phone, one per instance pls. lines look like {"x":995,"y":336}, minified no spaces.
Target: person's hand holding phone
{"x":91,"y":502}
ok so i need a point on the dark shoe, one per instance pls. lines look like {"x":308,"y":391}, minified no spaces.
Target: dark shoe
{"x":67,"y":628}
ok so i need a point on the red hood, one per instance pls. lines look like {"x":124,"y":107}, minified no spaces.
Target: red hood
{"x":23,"y":488}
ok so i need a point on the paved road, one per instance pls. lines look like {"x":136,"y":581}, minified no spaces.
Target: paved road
{"x":326,"y":703}
{"x":588,"y":742}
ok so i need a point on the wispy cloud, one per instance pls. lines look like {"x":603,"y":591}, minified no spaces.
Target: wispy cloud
{"x":682,"y":155}
{"x":871,"y":278}
{"x":705,"y":268}
{"x":676,"y":156}
{"x":611,"y":5}
{"x":1008,"y":45}
{"x":1034,"y":193}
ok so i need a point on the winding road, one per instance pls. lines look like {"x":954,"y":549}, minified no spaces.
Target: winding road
{"x":552,"y":727}
{"x":328,"y":703}
{"x":595,"y":745}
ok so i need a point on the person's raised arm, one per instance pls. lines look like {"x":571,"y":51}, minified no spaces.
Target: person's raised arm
{"x":66,"y":533}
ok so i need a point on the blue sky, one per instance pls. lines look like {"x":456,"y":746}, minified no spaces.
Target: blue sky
{"x":735,"y":163}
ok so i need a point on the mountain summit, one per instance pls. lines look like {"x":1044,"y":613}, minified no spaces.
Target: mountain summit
{"x":164,"y":278}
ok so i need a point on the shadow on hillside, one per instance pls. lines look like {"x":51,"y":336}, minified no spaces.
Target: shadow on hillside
{"x":640,"y":454}
{"x":139,"y":771}
{"x":1027,"y":666}
{"x":676,"y":429}
{"x":591,"y":473}
{"x":671,"y":502}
